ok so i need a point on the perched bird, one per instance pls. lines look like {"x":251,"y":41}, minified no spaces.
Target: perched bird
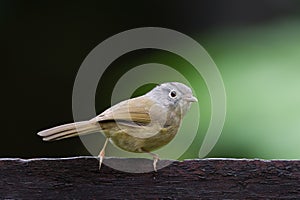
{"x":140,"y":125}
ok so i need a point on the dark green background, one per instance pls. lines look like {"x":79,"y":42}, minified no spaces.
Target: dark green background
{"x":255,"y":44}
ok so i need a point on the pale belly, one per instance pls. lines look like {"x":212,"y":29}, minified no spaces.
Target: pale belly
{"x":130,"y":143}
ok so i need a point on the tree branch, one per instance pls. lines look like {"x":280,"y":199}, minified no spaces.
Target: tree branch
{"x":79,"y":178}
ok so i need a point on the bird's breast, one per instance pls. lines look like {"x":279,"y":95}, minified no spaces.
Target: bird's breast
{"x":139,"y":139}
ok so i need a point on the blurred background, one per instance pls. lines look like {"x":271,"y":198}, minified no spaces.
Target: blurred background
{"x":255,"y":44}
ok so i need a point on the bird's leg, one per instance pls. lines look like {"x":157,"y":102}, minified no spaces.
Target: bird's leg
{"x":102,"y":153}
{"x":155,"y":159}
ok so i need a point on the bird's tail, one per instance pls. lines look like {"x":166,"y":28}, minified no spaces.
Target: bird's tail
{"x":69,"y":130}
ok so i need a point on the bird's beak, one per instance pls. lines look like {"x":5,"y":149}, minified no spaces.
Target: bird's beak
{"x":191,"y":99}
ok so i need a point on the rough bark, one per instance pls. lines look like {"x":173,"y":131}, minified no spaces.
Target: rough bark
{"x":80,"y":178}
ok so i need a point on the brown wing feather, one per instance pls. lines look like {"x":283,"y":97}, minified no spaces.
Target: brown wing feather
{"x":139,"y":117}
{"x":133,"y":110}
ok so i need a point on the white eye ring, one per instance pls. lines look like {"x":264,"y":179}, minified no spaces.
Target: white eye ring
{"x":172,"y":94}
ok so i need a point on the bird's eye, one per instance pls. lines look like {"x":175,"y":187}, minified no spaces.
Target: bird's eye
{"x":173,"y":94}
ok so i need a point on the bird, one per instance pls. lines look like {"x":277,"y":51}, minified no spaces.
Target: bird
{"x":140,"y":125}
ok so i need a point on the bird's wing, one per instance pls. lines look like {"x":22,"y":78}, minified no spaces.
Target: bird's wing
{"x":140,"y":117}
{"x":139,"y":111}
